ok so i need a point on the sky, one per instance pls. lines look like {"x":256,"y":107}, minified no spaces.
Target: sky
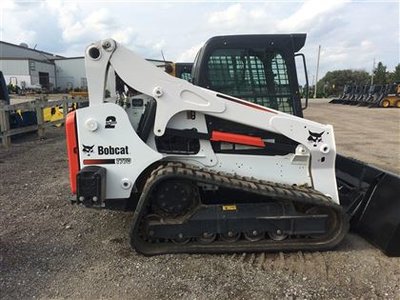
{"x":351,"y":33}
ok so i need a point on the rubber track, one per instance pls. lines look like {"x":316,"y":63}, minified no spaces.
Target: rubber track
{"x":278,"y":191}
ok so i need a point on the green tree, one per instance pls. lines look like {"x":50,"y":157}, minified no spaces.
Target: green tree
{"x":380,"y":74}
{"x":334,"y":81}
{"x":395,"y":75}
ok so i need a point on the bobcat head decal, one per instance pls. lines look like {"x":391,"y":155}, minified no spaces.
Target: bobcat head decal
{"x":315,"y":137}
{"x":87,"y":149}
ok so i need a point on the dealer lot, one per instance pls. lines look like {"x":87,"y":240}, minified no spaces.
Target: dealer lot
{"x":52,"y":249}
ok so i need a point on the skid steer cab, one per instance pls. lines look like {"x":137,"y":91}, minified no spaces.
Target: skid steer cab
{"x":204,"y":170}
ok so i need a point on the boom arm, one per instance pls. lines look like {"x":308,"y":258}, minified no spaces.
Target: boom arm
{"x":175,"y":95}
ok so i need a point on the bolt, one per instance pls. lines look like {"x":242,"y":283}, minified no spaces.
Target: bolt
{"x":106,"y":44}
{"x":279,"y":232}
{"x":230,"y":234}
{"x":180,"y":236}
{"x":126,"y":183}
{"x":95,"y":199}
{"x":81,"y":198}
{"x":157,"y":92}
{"x":91,"y":124}
{"x":254,"y":232}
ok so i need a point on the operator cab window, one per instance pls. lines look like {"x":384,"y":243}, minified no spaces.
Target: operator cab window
{"x":255,"y":75}
{"x":186,"y":76}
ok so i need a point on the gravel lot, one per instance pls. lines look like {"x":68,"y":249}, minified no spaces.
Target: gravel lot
{"x":52,"y":249}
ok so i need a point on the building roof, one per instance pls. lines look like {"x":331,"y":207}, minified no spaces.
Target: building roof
{"x":74,"y":57}
{"x":9,"y":50}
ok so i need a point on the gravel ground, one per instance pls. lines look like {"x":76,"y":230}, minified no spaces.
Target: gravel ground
{"x":52,"y":249}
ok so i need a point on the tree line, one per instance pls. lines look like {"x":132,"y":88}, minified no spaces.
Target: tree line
{"x":333,"y":82}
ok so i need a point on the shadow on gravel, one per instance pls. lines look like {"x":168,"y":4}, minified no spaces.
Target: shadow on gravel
{"x":27,"y":267}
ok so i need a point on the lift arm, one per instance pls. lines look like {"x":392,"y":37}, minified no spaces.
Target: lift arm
{"x":175,"y":95}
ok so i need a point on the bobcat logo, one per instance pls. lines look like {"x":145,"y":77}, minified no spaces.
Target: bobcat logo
{"x":87,"y":149}
{"x":315,"y":137}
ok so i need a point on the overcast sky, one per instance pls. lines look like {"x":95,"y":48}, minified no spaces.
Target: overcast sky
{"x":351,"y":33}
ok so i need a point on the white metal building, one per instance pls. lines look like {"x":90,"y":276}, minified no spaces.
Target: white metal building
{"x":70,"y":73}
{"x":31,"y":68}
{"x":27,"y":67}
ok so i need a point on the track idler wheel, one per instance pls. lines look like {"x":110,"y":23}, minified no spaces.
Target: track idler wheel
{"x":181,"y":240}
{"x":278,"y":235}
{"x":254,"y":235}
{"x":207,"y":238}
{"x":230,"y":236}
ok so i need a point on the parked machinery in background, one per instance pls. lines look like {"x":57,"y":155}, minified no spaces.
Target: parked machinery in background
{"x":391,"y":98}
{"x":372,"y":96}
{"x":180,"y":70}
{"x":347,"y":92}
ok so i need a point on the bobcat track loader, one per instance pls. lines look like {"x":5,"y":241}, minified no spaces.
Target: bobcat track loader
{"x":205,"y":171}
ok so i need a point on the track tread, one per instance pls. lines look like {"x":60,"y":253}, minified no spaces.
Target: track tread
{"x":285,"y":192}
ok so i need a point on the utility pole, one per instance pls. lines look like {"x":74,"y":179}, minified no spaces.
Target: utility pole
{"x":373,"y":70}
{"x":316,"y":75}
{"x":313,"y":82}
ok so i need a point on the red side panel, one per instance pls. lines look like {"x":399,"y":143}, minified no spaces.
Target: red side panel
{"x":218,"y":136}
{"x":72,"y":149}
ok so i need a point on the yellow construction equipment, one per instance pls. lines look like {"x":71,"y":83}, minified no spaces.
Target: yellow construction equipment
{"x":392,"y":99}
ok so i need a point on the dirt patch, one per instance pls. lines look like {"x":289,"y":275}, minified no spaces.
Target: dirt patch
{"x":52,"y":249}
{"x":369,"y":134}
